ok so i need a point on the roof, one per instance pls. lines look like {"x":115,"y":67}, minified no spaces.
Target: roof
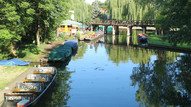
{"x":70,"y":23}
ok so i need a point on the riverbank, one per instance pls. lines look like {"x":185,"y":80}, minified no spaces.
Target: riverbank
{"x":159,"y":41}
{"x":10,"y":75}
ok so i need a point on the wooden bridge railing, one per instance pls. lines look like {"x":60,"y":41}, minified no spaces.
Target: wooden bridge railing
{"x":123,"y":22}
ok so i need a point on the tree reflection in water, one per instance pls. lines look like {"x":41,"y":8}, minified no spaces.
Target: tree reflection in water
{"x":58,"y":93}
{"x":162,"y":83}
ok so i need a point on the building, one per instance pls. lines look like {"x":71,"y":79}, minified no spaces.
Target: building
{"x":72,"y":14}
{"x":72,"y":27}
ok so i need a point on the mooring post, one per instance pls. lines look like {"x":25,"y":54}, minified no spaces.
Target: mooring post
{"x":103,"y":28}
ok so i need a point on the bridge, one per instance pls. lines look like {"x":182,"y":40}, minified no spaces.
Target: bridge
{"x":127,"y":23}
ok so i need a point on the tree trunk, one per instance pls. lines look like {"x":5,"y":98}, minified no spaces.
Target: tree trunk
{"x":38,"y":36}
{"x":57,"y":32}
{"x":12,"y":48}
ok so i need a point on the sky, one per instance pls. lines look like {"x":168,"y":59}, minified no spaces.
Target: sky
{"x":90,"y":1}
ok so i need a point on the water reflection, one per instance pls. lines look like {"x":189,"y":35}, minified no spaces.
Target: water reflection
{"x":123,"y":54}
{"x":159,"y":78}
{"x":58,"y":93}
{"x":122,"y":38}
{"x":82,"y":47}
{"x":162,"y":83}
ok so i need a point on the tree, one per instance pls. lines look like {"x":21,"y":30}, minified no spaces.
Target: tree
{"x":24,"y":21}
{"x":177,"y":20}
{"x":95,"y":11}
{"x":9,"y":27}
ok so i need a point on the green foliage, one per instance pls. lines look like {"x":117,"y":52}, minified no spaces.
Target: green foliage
{"x":177,"y":14}
{"x":78,"y":35}
{"x":82,"y":11}
{"x":20,"y":20}
{"x":29,"y":52}
{"x":131,"y":10}
{"x":28,"y":49}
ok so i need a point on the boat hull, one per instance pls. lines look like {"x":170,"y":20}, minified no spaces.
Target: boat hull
{"x":17,"y":96}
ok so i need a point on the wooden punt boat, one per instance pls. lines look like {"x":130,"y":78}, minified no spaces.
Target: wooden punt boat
{"x":33,"y":87}
{"x":63,"y":52}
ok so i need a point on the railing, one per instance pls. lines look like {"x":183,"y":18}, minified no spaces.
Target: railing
{"x":123,"y":22}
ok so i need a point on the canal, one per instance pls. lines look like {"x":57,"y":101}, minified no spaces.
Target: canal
{"x":111,"y":74}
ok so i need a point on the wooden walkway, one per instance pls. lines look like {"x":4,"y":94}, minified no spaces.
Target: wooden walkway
{"x":147,"y":23}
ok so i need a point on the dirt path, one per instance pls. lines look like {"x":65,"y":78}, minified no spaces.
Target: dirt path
{"x":47,"y":50}
{"x":10,"y":86}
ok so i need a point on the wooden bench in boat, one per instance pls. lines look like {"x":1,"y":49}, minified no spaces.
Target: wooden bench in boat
{"x":45,"y":70}
{"x":18,"y":96}
{"x":33,"y":87}
{"x":38,"y":78}
{"x":29,"y":87}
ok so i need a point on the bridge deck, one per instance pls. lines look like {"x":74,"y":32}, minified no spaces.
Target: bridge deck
{"x":148,"y":23}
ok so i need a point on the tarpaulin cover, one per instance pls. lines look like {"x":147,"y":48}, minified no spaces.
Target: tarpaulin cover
{"x":72,"y":42}
{"x":14,"y":61}
{"x":60,"y":53}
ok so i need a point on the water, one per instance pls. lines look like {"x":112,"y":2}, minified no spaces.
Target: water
{"x":107,"y":75}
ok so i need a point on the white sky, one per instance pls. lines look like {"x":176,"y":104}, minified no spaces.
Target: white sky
{"x":90,"y":1}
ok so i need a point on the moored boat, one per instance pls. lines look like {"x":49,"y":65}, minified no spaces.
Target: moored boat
{"x":63,"y":52}
{"x":31,"y":89}
{"x":91,"y":37}
{"x":142,"y":38}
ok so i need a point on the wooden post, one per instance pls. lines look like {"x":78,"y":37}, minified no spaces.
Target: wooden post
{"x":91,"y":28}
{"x":155,"y":31}
{"x":113,"y":30}
{"x":117,"y":30}
{"x":128,"y":31}
{"x":103,"y":28}
{"x":113,"y":39}
{"x":128,"y":40}
{"x":144,"y":29}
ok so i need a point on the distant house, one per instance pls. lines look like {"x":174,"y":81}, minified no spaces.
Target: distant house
{"x":103,"y":10}
{"x":72,"y":14}
{"x":72,"y":27}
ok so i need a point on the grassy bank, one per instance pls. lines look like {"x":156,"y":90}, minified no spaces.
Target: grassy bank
{"x":159,"y":40}
{"x":31,"y":52}
{"x":8,"y":73}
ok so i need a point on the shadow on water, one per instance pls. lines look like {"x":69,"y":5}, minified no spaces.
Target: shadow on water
{"x":58,"y":93}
